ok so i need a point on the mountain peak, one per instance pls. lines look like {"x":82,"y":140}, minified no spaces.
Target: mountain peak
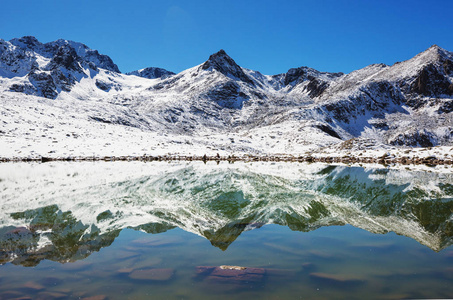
{"x":85,"y":52}
{"x":221,"y":62}
{"x":436,"y":48}
{"x":437,"y":51}
{"x":29,"y":39}
{"x":152,"y":72}
{"x":220,"y":52}
{"x":29,"y":42}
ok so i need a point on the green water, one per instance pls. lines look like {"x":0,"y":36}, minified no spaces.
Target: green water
{"x":306,"y":231}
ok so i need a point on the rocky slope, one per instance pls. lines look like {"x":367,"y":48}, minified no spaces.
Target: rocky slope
{"x":219,"y":105}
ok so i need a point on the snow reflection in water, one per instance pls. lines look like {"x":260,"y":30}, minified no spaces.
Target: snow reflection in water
{"x":131,"y":229}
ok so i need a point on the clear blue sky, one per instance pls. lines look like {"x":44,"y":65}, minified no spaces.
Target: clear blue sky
{"x":268,"y":36}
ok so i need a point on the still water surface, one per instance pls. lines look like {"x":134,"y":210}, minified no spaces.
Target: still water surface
{"x":132,"y":230}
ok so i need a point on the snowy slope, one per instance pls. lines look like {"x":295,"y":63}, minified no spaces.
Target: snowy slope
{"x":408,"y":103}
{"x":216,"y":106}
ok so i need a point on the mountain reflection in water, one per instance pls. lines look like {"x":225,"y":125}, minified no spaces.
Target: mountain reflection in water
{"x":65,"y":211}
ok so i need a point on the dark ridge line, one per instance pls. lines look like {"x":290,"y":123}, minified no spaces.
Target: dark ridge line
{"x":383,"y":160}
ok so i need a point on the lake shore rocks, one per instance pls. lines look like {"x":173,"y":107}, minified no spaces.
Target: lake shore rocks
{"x":346,"y":159}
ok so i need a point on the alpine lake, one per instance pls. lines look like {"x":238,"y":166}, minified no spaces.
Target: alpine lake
{"x":189,"y":230}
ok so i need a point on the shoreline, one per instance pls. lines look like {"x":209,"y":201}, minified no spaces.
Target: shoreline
{"x":383,"y":160}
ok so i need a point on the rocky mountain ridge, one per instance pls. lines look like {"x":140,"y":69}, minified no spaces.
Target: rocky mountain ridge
{"x":408,"y":104}
{"x":151,"y":73}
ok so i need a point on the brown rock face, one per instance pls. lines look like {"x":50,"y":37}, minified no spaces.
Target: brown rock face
{"x":431,"y":82}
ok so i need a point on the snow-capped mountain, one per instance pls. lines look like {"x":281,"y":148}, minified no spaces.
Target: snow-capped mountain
{"x":152,"y":72}
{"x":48,"y":69}
{"x":418,"y":92}
{"x":64,"y":212}
{"x":228,"y":107}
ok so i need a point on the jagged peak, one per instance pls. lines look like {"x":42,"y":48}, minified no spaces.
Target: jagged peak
{"x":61,"y":52}
{"x":66,"y":56}
{"x":220,"y":52}
{"x":28,"y":39}
{"x":68,"y":42}
{"x":152,"y":72}
{"x":88,"y":54}
{"x":221,"y":62}
{"x":296,"y":75}
{"x":78,"y":47}
{"x":29,"y":42}
{"x":60,"y":41}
